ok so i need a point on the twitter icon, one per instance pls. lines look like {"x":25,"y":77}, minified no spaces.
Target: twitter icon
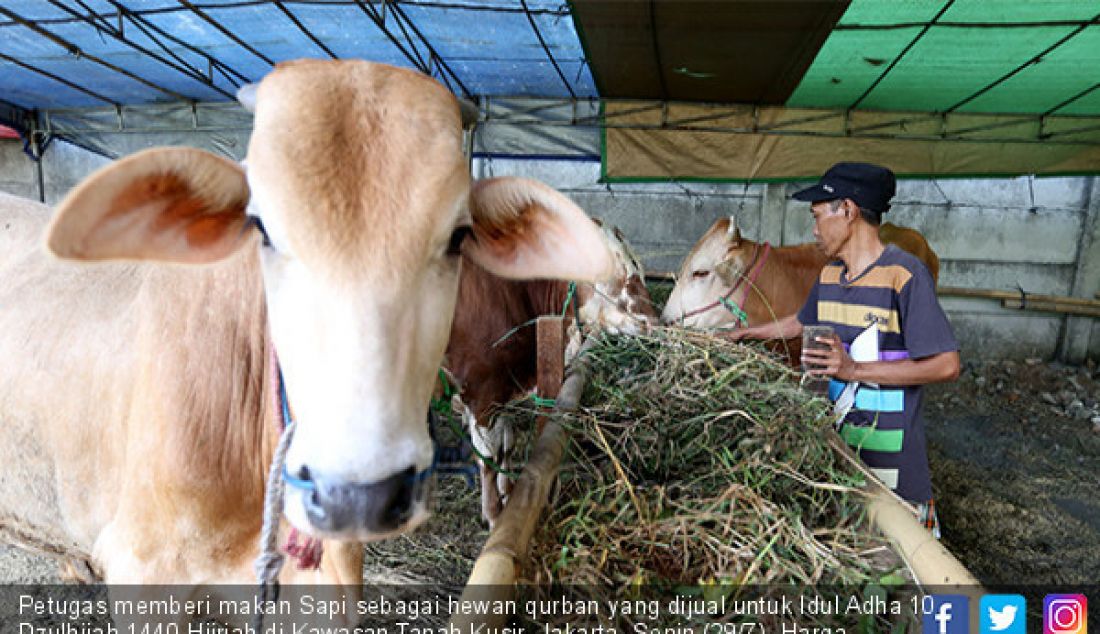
{"x":1003,"y":614}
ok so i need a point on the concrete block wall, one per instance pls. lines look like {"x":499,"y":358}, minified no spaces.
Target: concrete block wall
{"x":1040,"y":234}
{"x":63,"y":166}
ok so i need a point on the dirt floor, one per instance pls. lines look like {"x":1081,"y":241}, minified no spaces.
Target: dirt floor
{"x":1015,"y":454}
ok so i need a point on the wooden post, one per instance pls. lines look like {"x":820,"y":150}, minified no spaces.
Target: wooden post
{"x":551,"y":360}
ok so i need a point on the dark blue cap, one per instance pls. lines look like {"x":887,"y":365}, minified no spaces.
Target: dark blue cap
{"x":870,"y":186}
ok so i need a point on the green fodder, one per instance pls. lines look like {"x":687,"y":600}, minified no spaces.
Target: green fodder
{"x":696,"y":461}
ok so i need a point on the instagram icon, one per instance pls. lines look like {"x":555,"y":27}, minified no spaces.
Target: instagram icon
{"x":1065,"y":614}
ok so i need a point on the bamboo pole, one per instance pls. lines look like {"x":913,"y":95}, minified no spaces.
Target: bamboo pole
{"x":986,"y":293}
{"x":1052,"y":307}
{"x":929,"y":561}
{"x":495,"y":571}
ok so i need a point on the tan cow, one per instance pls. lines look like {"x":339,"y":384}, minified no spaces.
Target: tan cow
{"x":136,"y":414}
{"x":724,"y":273}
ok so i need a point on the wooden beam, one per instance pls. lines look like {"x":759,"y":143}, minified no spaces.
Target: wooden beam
{"x":550,"y":370}
{"x":987,"y":293}
{"x":1053,"y":307}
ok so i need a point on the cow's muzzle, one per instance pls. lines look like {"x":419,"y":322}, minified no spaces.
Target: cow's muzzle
{"x":385,"y":506}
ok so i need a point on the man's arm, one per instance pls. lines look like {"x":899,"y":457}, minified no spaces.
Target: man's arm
{"x":836,"y":362}
{"x":784,"y":328}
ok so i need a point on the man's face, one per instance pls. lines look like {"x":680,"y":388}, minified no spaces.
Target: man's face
{"x":832,"y":225}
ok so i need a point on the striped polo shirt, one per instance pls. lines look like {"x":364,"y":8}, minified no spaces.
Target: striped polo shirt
{"x":885,"y":425}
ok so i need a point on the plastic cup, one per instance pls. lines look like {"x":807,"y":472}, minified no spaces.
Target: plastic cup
{"x":810,"y":342}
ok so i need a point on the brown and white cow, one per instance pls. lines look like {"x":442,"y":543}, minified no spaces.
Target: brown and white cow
{"x":492,"y":354}
{"x":767,"y":283}
{"x":136,"y":414}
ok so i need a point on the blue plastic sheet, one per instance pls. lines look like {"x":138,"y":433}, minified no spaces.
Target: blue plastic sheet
{"x":490,"y":45}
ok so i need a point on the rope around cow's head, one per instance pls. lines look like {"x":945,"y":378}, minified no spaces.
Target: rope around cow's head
{"x":759,"y":257}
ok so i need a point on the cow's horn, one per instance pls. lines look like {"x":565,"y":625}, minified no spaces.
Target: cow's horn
{"x":733,"y":233}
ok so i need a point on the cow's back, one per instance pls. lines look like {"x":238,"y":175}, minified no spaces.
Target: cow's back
{"x":106,"y":413}
{"x":913,"y":242}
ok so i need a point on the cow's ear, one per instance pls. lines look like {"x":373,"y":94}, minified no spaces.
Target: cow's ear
{"x":523,"y":229}
{"x":168,"y":204}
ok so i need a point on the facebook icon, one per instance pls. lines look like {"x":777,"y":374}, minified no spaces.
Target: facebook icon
{"x":946,"y":614}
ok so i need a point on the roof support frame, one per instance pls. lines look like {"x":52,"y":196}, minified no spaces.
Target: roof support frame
{"x":1072,"y":99}
{"x":1038,"y":134}
{"x":185,"y":69}
{"x":58,"y":79}
{"x":556,"y":103}
{"x":305,"y":30}
{"x":886,"y":71}
{"x":1034,"y":60}
{"x":224,"y":31}
{"x":546,"y":49}
{"x":446,"y":73}
{"x":232,"y":75}
{"x":433,"y":4}
{"x":75,"y":50}
{"x":1081,"y":134}
{"x":15,"y":116}
{"x":1018,"y":120}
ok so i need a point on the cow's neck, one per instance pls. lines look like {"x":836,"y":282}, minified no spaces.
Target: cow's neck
{"x":548,"y":297}
{"x":783,"y":283}
{"x":215,"y":329}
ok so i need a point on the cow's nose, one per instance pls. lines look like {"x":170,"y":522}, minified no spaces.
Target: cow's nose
{"x":379,"y":507}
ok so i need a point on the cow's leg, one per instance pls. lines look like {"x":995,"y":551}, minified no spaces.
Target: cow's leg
{"x":77,"y":570}
{"x":506,"y":435}
{"x":484,"y":442}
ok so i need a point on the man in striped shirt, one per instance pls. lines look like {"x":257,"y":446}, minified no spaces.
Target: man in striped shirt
{"x":868,"y":284}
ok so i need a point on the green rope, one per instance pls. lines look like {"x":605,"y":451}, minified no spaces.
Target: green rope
{"x":730,"y":305}
{"x":442,"y":408}
{"x":489,"y":462}
{"x":548,"y":403}
{"x":447,"y":391}
{"x":568,"y":298}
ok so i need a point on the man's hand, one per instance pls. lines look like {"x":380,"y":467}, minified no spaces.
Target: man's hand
{"x":734,"y":335}
{"x":832,"y":362}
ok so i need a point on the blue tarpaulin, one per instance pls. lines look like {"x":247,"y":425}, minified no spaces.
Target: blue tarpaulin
{"x":105,"y":52}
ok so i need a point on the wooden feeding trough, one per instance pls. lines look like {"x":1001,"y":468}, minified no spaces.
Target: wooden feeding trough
{"x":498,"y":568}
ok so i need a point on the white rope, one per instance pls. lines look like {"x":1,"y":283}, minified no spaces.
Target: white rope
{"x":270,"y":561}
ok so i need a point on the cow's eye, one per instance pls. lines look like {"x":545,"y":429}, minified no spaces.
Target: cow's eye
{"x":700,"y":274}
{"x":259,"y":225}
{"x":454,"y":246}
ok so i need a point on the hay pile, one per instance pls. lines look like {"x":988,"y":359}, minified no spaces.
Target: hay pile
{"x":695,"y":461}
